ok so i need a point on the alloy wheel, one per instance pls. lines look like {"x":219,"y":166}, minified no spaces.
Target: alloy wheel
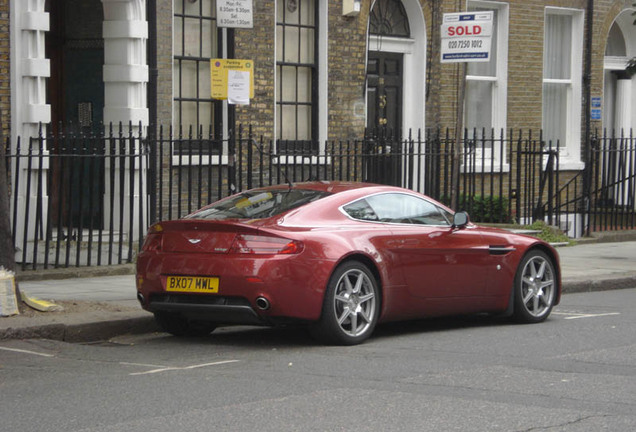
{"x":355,"y":302}
{"x":537,"y":286}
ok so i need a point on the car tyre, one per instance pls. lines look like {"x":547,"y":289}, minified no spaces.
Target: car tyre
{"x":351,"y":306}
{"x":178,"y":325}
{"x":535,"y":288}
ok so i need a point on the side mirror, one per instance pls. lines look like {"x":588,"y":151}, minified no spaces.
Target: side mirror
{"x":460,"y":220}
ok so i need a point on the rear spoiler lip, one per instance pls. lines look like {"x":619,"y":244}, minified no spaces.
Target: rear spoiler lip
{"x":235,"y":225}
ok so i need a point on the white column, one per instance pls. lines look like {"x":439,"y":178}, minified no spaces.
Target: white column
{"x":125,"y":67}
{"x":623,"y":106}
{"x":29,"y":67}
{"x":29,"y":71}
{"x":125,"y":32}
{"x":622,"y":126}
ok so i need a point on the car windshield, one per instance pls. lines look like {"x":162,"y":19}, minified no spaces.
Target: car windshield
{"x":258,"y":204}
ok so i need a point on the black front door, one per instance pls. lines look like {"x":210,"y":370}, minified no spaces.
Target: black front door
{"x":384,"y":117}
{"x":75,"y":48}
{"x":384,"y":91}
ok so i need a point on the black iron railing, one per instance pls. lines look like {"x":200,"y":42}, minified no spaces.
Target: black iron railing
{"x":609,"y":203}
{"x":84,"y":198}
{"x":77,"y":198}
{"x":611,"y":199}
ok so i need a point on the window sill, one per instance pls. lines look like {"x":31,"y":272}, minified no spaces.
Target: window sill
{"x":196,"y":160}
{"x":486,"y":168}
{"x":301,"y":160}
{"x":571,"y":165}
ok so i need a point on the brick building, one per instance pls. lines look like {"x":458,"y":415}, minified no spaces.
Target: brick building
{"x":316,"y":67}
{"x":323,"y":70}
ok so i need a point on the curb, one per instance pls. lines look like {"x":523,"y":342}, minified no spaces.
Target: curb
{"x":614,"y":236}
{"x":74,"y":272}
{"x":573,"y":287}
{"x":101,"y":330}
{"x":83,"y":332}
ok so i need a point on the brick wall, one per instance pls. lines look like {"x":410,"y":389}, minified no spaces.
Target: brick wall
{"x":433,"y":18}
{"x":347,"y":69}
{"x":525,"y":60}
{"x":164,"y":62}
{"x":258,"y":44}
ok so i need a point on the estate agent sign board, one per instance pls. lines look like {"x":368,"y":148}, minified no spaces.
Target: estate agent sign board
{"x":466,"y":37}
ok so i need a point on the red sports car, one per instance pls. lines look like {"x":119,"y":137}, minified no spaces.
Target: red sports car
{"x":340,"y":257}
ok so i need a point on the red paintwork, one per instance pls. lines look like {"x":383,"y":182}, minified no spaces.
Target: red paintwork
{"x":423,"y":270}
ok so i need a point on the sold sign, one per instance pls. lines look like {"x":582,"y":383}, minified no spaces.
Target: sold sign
{"x":463,"y":30}
{"x":466,"y":37}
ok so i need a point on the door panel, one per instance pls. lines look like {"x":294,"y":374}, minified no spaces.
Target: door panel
{"x":440,"y":262}
{"x":392,"y":116}
{"x":384,"y":90}
{"x":384,"y":117}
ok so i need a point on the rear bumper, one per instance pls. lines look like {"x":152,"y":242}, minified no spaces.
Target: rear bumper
{"x":293,"y":287}
{"x":229,"y":314}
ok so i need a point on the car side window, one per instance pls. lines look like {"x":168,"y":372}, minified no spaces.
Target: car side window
{"x":407,"y":209}
{"x":361,"y":210}
{"x":448,"y":216}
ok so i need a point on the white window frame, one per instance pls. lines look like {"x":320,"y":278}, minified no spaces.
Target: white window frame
{"x":323,"y":71}
{"x":570,"y":151}
{"x":499,"y":113}
{"x":186,"y":158}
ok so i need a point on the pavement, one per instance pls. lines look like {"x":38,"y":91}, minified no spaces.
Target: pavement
{"x":100,"y":303}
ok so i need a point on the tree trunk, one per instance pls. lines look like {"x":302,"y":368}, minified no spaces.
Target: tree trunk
{"x":7,"y":251}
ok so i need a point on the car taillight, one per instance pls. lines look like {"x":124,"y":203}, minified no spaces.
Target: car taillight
{"x":255,"y":244}
{"x":153,"y":239}
{"x":152,"y":242}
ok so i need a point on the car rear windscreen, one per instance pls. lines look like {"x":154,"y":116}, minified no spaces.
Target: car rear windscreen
{"x":258,"y":204}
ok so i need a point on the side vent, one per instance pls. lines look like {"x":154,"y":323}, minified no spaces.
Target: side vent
{"x":500,"y":250}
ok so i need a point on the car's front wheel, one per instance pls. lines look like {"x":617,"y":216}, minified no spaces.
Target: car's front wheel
{"x":178,"y":325}
{"x":535,"y":288}
{"x":351,"y":306}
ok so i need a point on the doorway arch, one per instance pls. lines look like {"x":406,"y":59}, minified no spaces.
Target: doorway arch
{"x":619,"y":107}
{"x":619,"y":88}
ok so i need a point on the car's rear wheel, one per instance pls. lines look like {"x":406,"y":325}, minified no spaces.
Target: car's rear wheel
{"x":351,"y":306}
{"x":178,"y":325}
{"x":535,"y":288}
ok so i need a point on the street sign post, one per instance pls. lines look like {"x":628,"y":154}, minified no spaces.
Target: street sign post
{"x":234,"y":13}
{"x":466,"y":37}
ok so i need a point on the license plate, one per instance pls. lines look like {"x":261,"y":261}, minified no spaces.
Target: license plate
{"x":192,"y":284}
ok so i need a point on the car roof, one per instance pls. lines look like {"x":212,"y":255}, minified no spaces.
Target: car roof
{"x":341,"y":193}
{"x":332,"y":187}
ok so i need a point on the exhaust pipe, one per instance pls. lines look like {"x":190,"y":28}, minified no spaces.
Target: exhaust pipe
{"x":262,"y":303}
{"x":141,"y":298}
